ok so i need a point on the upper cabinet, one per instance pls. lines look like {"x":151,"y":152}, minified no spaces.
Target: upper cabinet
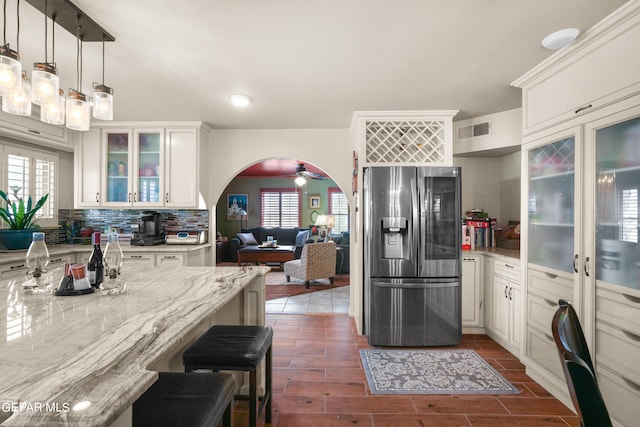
{"x":142,"y":167}
{"x":31,"y":129}
{"x":584,"y":76}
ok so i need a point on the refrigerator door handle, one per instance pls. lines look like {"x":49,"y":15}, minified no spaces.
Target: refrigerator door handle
{"x":415,"y":220}
{"x":416,"y":284}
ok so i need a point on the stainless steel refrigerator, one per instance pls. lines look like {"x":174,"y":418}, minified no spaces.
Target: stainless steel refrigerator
{"x":412,"y":256}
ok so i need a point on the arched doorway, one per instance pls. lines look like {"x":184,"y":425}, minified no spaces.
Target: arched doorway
{"x":288,"y":193}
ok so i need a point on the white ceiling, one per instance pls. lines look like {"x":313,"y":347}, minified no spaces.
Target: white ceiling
{"x":308,"y":64}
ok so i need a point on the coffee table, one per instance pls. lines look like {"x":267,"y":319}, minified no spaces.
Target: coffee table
{"x":257,"y":254}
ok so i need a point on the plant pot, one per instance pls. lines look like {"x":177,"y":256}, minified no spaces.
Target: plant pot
{"x":16,"y":239}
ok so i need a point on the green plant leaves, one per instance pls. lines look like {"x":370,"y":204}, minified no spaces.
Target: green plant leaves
{"x":20,"y":216}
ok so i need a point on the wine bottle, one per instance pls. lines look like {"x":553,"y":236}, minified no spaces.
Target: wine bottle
{"x":95,"y":267}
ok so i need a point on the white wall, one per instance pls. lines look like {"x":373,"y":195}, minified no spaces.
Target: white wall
{"x":65,"y":180}
{"x":481,"y":178}
{"x":510,"y":187}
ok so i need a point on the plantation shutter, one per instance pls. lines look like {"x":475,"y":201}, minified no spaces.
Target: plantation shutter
{"x":45,"y":174}
{"x":279,"y":207}
{"x":18,"y":176}
{"x":339,"y":209}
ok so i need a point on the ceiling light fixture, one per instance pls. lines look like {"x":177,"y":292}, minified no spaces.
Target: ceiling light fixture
{"x":10,"y":67}
{"x":18,"y":100}
{"x":78,"y":109}
{"x":240,"y":100}
{"x":300,"y":181}
{"x":102,"y":97}
{"x":44,"y":76}
{"x":560,"y":39}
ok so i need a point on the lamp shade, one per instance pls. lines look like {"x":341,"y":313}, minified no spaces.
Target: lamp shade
{"x":10,"y":69}
{"x":53,"y":111}
{"x":78,"y":111}
{"x":322,"y":220}
{"x":18,"y":100}
{"x":102,"y":102}
{"x":46,"y":83}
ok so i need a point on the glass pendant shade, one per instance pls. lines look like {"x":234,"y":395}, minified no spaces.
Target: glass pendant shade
{"x":102,"y":102}
{"x":45,"y":81}
{"x":18,"y":100}
{"x":78,"y":111}
{"x":53,"y":111}
{"x":10,"y":69}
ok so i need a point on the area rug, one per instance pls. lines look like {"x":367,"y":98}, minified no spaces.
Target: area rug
{"x":277,"y":286}
{"x":432,"y":372}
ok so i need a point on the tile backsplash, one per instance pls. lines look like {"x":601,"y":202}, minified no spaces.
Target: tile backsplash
{"x":71,"y":220}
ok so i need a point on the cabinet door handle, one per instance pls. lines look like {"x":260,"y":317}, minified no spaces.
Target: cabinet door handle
{"x":510,"y":294}
{"x":631,"y":384}
{"x":506,"y":288}
{"x":550,"y":275}
{"x":468,"y":259}
{"x":549,"y":302}
{"x":581,"y":109}
{"x":632,"y":298}
{"x":13,"y":267}
{"x":575,"y":263}
{"x":129,"y":197}
{"x":166,"y":198}
{"x":56,"y":260}
{"x":631,"y":335}
{"x":135,"y":256}
{"x":134,"y":197}
{"x":97,"y":197}
{"x":549,"y":337}
{"x":169,"y":257}
{"x":586,"y":266}
{"x":508,"y":266}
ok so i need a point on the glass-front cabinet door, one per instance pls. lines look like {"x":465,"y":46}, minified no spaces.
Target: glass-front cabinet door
{"x":149,"y":154}
{"x":118,"y":157}
{"x":551,"y":203}
{"x":617,"y":208}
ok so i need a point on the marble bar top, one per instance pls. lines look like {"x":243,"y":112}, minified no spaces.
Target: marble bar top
{"x":12,"y":256}
{"x":56,"y":351}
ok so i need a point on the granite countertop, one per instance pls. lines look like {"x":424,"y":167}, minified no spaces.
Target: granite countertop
{"x":12,"y":256}
{"x":58,"y":351}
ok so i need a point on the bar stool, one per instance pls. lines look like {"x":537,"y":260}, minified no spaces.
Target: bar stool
{"x":177,"y":399}
{"x":236,"y":348}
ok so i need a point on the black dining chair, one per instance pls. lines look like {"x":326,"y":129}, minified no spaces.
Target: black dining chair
{"x":578,"y":368}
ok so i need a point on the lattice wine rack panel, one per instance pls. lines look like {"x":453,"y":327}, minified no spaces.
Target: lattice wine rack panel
{"x":402,"y":141}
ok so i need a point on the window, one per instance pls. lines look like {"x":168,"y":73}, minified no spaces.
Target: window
{"x":339,"y":208}
{"x":279,"y":207}
{"x":32,"y":173}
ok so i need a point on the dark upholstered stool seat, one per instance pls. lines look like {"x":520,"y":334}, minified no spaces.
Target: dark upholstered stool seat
{"x":190,"y":400}
{"x":238,"y":348}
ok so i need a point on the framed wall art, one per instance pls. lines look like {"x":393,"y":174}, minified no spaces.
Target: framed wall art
{"x":237,"y":206}
{"x":314,"y":201}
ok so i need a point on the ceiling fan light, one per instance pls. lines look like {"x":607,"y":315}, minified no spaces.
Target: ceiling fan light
{"x":46,"y":82}
{"x":300,"y":181}
{"x":78,"y":111}
{"x":53,"y":111}
{"x":102,"y":102}
{"x":240,"y":100}
{"x":10,"y":69}
{"x":18,"y":100}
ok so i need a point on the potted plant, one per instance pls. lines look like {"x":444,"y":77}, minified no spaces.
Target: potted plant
{"x":20,"y":217}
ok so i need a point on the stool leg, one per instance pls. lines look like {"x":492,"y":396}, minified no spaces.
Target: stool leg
{"x":227,"y":418}
{"x":268,"y":387}
{"x":253,"y":399}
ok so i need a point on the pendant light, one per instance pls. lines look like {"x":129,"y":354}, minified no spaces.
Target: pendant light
{"x":44,"y":76}
{"x":18,"y":100}
{"x":10,"y":67}
{"x":102,"y":96}
{"x":78,"y":109}
{"x":53,"y":112}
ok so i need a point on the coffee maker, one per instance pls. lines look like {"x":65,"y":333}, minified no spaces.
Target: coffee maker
{"x":149,"y":230}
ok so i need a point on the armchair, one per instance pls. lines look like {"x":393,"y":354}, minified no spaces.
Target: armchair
{"x":317,"y":261}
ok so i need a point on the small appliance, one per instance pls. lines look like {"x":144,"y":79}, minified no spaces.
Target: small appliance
{"x":186,"y":237}
{"x":149,"y":230}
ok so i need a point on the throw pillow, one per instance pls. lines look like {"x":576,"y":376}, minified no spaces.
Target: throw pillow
{"x":302,"y":237}
{"x":247,"y":239}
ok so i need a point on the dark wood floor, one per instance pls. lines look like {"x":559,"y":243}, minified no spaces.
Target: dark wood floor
{"x":319,"y":381}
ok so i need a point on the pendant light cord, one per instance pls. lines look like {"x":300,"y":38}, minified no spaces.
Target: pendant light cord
{"x":46,"y":33}
{"x":18,"y":29}
{"x":103,"y":60}
{"x":4,"y":23}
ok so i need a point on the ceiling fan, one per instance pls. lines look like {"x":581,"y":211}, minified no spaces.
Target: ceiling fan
{"x":303,"y":172}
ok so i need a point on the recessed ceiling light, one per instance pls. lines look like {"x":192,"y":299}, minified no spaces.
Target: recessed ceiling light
{"x":240,"y":100}
{"x":560,"y":38}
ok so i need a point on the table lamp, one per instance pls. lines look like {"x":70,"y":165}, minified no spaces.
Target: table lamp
{"x":322,"y":221}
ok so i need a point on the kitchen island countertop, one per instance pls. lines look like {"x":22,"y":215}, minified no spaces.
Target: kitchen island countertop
{"x":58,"y":351}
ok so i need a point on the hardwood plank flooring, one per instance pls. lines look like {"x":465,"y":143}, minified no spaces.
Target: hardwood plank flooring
{"x":319,"y":381}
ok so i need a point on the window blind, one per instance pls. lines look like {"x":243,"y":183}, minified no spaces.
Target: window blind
{"x":339,"y":209}
{"x":279,"y":207}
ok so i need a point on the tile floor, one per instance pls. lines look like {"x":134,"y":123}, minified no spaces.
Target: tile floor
{"x":334,"y":300}
{"x":319,"y":381}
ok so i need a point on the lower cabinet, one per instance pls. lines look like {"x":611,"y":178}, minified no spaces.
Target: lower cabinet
{"x":505,"y":311}
{"x":170,"y":259}
{"x":472,"y":293}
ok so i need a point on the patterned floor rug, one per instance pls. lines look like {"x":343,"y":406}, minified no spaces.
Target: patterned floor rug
{"x":432,"y":372}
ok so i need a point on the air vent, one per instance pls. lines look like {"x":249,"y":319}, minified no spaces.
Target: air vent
{"x":481,"y":129}
{"x":465,"y":132}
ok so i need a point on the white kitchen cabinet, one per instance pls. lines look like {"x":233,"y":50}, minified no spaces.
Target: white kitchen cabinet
{"x":506,"y":323}
{"x":582,"y":161}
{"x":472,"y":293}
{"x":488,"y":291}
{"x":13,"y":270}
{"x":170,"y":259}
{"x":32,"y":129}
{"x":145,"y":259}
{"x":142,"y":165}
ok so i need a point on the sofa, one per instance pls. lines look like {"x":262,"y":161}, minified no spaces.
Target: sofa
{"x":284,"y":236}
